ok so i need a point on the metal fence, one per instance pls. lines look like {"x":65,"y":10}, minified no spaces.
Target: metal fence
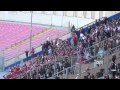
{"x":98,"y":61}
{"x":75,"y":69}
{"x":96,"y":57}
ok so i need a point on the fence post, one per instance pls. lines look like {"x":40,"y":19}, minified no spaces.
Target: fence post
{"x":79,"y":70}
{"x":3,"y":61}
{"x":17,"y":58}
{"x":94,"y":51}
{"x":71,"y":61}
{"x":54,"y":68}
{"x":55,"y":65}
{"x":69,"y":26}
{"x":106,"y":61}
{"x":67,"y":73}
{"x":103,"y":48}
{"x":51,"y":20}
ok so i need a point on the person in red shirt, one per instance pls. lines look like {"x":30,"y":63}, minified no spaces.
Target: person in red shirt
{"x":14,"y":72}
{"x":32,"y":51}
{"x":11,"y":70}
{"x":83,"y":61}
{"x":75,"y":39}
{"x":18,"y":69}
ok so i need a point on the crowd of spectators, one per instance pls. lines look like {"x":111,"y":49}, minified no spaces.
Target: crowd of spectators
{"x":47,"y":64}
{"x":113,"y":70}
{"x":38,"y":68}
{"x":93,"y":38}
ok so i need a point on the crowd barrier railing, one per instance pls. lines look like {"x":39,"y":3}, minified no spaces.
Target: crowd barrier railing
{"x":80,"y":70}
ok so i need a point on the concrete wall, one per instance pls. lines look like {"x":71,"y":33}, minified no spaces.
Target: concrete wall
{"x":55,"y":18}
{"x":46,"y":19}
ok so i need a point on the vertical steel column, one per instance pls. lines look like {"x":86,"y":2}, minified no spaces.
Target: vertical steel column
{"x":94,"y":50}
{"x":69,"y":27}
{"x":80,"y":65}
{"x":71,"y":59}
{"x":3,"y":64}
{"x":51,"y":19}
{"x":106,"y":62}
{"x":31,"y":31}
{"x":67,"y":73}
{"x":103,"y":48}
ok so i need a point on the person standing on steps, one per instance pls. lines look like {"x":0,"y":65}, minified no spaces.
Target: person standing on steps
{"x":32,"y":51}
{"x":113,"y":70}
{"x":113,"y":57}
{"x":26,"y":52}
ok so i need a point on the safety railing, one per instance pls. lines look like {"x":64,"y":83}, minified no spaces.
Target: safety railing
{"x":77,"y":70}
{"x":93,"y":65}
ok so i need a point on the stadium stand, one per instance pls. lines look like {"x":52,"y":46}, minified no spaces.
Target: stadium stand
{"x":85,"y":47}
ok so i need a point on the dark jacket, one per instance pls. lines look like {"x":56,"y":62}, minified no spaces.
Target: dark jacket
{"x":113,"y":67}
{"x":89,"y":30}
{"x":26,"y":52}
{"x":113,"y":58}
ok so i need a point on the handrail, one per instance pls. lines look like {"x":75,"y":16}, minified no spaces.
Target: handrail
{"x":102,"y":41}
{"x":106,"y":56}
{"x":87,"y":60}
{"x":89,"y":24}
{"x":55,"y":60}
{"x":41,"y":65}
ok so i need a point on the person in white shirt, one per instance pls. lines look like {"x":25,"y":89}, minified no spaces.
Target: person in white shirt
{"x":50,"y":51}
{"x":118,"y":28}
{"x":60,"y":64}
{"x":117,"y":41}
{"x":114,"y":29}
{"x":49,"y":60}
{"x":82,"y":36}
{"x":57,"y":44}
